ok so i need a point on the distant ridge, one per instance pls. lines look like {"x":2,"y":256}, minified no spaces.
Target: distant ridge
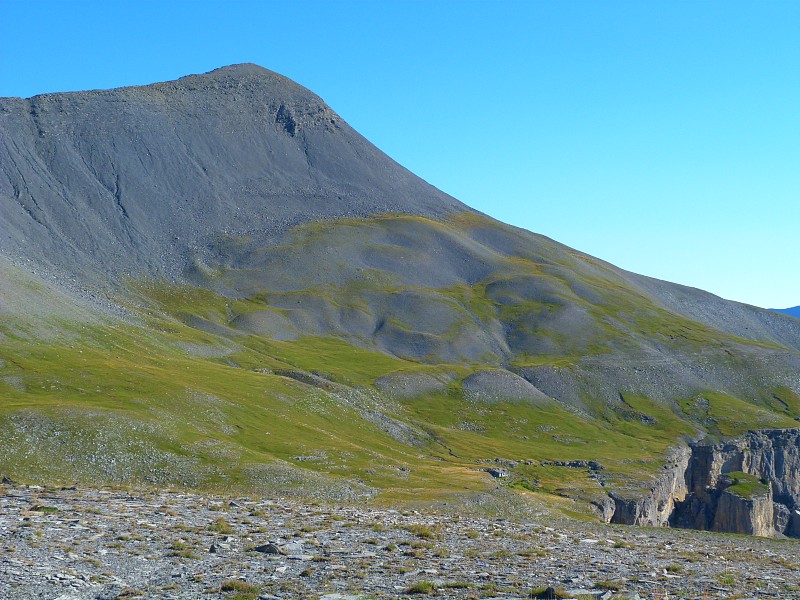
{"x":793,"y":312}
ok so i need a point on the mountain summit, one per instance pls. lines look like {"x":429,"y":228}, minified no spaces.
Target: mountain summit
{"x":216,"y":282}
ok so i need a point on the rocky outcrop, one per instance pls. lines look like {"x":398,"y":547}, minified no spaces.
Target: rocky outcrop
{"x":745,"y":507}
{"x":771,"y":457}
{"x":498,"y":385}
{"x":749,"y":484}
{"x":654,"y":506}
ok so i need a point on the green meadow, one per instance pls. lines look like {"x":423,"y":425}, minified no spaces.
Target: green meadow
{"x":178,"y":392}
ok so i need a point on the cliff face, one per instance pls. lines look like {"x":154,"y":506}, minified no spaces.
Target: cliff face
{"x":770,"y":456}
{"x":740,"y":514}
{"x":750,"y":485}
{"x":653,"y":507}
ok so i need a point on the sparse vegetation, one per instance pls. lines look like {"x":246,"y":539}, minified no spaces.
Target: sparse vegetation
{"x":613,"y":586}
{"x":242,"y":590}
{"x":421,"y":587}
{"x":423,"y":531}
{"x":746,"y":485}
{"x":221,"y":526}
{"x":674,"y":569}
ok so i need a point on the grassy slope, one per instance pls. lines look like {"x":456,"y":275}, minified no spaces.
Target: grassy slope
{"x":182,"y":397}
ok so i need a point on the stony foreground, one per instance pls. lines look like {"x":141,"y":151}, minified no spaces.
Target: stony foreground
{"x":103,"y":544}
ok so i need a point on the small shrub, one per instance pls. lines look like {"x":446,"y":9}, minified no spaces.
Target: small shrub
{"x":422,"y":531}
{"x":221,"y":526}
{"x":542,"y":591}
{"x":421,"y":587}
{"x":47,"y":510}
{"x":456,"y":585}
{"x":234,"y":585}
{"x":613,"y":586}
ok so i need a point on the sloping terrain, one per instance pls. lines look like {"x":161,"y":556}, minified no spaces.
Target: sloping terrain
{"x":216,"y":282}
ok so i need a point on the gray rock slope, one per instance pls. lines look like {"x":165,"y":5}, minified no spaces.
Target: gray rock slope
{"x":126,"y":181}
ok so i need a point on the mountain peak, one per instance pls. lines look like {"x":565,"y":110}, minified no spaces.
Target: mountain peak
{"x":160,"y":169}
{"x":244,"y":73}
{"x":238,"y":81}
{"x":243,"y":69}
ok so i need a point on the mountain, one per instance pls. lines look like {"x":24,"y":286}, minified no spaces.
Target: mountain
{"x":129,"y":181}
{"x":217,"y":282}
{"x":794,"y":312}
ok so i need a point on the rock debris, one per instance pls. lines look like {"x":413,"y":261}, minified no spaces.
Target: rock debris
{"x":86,"y":543}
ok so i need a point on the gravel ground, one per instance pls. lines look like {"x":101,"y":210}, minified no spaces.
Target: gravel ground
{"x":109,"y":543}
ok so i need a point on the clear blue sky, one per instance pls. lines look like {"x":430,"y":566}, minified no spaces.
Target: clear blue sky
{"x":663,"y":137}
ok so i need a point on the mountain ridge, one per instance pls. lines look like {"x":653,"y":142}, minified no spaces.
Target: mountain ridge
{"x":792,"y":312}
{"x":187,"y":263}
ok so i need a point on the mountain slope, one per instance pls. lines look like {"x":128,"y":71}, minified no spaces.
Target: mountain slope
{"x":216,"y":281}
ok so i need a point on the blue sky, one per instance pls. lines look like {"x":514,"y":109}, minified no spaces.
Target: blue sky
{"x":663,"y":137}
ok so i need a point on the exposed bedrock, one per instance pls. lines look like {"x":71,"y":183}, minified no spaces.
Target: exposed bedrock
{"x":749,"y":484}
{"x":753,"y":515}
{"x":654,"y":506}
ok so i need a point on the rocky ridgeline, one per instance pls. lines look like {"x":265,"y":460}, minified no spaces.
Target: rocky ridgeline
{"x":750,"y":484}
{"x":74,"y":544}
